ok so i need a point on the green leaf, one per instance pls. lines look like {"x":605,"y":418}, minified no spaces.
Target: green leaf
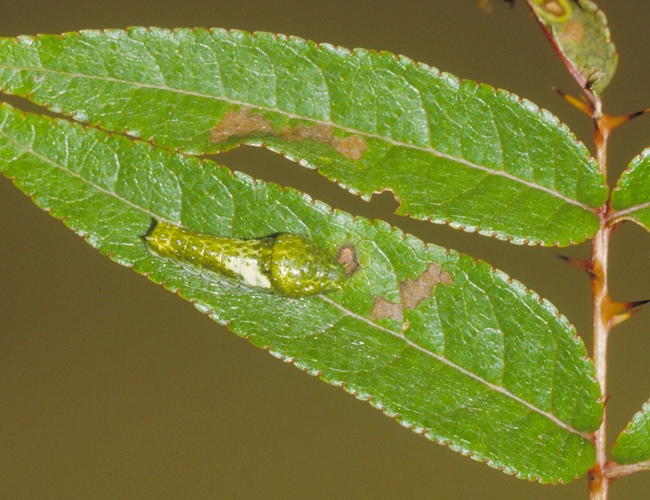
{"x":451,"y":151}
{"x":578,"y":30}
{"x":633,"y":443}
{"x":480,"y":363}
{"x":631,"y":197}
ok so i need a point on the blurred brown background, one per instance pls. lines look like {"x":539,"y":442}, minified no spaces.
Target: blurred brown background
{"x":111,"y":387}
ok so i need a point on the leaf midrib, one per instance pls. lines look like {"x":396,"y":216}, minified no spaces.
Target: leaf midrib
{"x":329,"y":123}
{"x":462,"y":370}
{"x":627,"y":212}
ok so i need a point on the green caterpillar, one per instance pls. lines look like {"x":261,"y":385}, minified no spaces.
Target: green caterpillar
{"x":287,"y":264}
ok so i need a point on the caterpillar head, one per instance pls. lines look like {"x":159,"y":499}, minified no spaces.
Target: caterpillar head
{"x":300,"y":268}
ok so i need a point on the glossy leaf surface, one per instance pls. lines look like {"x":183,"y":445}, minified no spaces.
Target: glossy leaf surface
{"x":578,"y":30}
{"x":450,"y":150}
{"x":633,"y":444}
{"x":477,"y":362}
{"x":631,"y":197}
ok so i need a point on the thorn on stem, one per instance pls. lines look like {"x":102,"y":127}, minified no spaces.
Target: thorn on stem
{"x":586,"y":107}
{"x":623,"y":307}
{"x":637,"y":303}
{"x":609,"y":123}
{"x":631,"y":116}
{"x":622,"y":311}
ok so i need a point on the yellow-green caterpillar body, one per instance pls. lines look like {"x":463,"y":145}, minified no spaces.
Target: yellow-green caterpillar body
{"x":287,"y":264}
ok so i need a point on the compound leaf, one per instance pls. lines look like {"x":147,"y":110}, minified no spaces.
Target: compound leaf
{"x":578,"y":30}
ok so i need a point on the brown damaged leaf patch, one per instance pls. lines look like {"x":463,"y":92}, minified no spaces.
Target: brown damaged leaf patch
{"x":351,"y":147}
{"x":319,"y":133}
{"x":242,"y":123}
{"x":348,"y":257}
{"x":384,"y":308}
{"x":412,"y":292}
{"x":571,"y":31}
{"x":554,"y":8}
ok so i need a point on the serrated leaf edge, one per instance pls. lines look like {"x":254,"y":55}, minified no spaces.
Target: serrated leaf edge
{"x":627,"y":213}
{"x":400,"y":335}
{"x":548,"y":116}
{"x":638,"y":415}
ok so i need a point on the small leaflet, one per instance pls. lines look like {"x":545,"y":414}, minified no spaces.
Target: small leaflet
{"x":578,"y":30}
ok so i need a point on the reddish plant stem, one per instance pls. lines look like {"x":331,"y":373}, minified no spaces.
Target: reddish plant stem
{"x":598,"y":481}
